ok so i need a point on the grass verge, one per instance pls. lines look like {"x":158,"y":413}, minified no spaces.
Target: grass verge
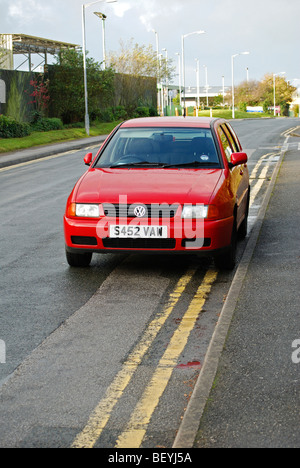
{"x":227,"y":114}
{"x":54,"y":136}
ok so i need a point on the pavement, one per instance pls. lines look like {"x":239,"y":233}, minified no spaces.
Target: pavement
{"x":247,"y":395}
{"x":21,"y":156}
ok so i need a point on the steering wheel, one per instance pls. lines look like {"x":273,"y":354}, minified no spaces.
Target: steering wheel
{"x":129,"y":158}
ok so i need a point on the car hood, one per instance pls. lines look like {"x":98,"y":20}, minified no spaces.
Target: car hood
{"x":148,"y":186}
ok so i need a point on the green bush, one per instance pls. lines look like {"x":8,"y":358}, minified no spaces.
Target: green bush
{"x":75,"y":125}
{"x":120,"y":113}
{"x":10,"y":128}
{"x":110,"y":114}
{"x":45,"y":125}
{"x":142,"y":112}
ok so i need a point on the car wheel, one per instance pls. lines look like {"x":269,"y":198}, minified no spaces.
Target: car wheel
{"x":79,"y":260}
{"x":227,"y":261}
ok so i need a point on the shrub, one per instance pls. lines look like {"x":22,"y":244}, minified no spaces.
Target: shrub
{"x":142,"y":112}
{"x":45,"y":125}
{"x":120,"y":113}
{"x":10,"y":128}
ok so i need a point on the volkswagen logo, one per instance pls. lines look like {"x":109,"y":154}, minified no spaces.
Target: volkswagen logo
{"x":140,"y":211}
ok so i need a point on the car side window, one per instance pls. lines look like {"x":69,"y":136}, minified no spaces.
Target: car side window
{"x":225,"y":143}
{"x":233,"y":140}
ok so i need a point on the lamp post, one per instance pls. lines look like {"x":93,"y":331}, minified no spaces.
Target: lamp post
{"x":167,"y":81}
{"x":103,"y":17}
{"x":159,"y":85}
{"x":179,"y":68}
{"x":206,"y":83}
{"x":183,"y":63}
{"x":223,"y":89}
{"x":198,"y":85}
{"x":274,"y":87}
{"x":232,"y":68}
{"x":84,"y":6}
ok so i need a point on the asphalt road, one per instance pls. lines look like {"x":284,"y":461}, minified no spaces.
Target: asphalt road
{"x":86,"y":349}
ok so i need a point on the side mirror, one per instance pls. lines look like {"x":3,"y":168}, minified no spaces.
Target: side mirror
{"x":88,"y":159}
{"x":237,"y":159}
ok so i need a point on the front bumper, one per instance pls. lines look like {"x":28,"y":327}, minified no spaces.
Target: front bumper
{"x":205,"y":237}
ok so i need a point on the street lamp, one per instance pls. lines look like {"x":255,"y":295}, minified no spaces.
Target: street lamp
{"x":198,"y":85}
{"x":206,"y":83}
{"x":159,"y":85}
{"x":167,"y":81}
{"x":84,"y":6}
{"x":183,"y":63}
{"x":103,"y":17}
{"x":232,"y":67}
{"x":179,"y":68}
{"x":274,"y":80}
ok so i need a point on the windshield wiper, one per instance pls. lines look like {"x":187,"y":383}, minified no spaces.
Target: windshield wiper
{"x":140,"y":163}
{"x":193,"y":164}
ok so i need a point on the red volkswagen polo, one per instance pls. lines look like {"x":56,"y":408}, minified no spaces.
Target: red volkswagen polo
{"x":163,"y":185}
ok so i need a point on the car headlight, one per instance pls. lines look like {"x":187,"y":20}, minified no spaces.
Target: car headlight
{"x":87,"y":211}
{"x":195,"y":212}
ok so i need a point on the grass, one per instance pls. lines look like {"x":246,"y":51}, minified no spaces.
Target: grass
{"x":54,"y":136}
{"x":227,"y":114}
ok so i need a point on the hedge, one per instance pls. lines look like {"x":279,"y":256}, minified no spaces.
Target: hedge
{"x":46,"y":125}
{"x":10,"y":128}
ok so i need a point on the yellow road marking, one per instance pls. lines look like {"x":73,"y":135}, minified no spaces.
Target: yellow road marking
{"x":136,"y":429}
{"x":100,"y":416}
{"x":260,"y":161}
{"x":256,"y":188}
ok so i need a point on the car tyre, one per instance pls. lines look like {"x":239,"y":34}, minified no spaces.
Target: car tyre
{"x":227,"y":260}
{"x":79,"y":260}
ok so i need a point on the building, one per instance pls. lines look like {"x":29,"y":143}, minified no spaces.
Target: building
{"x":22,"y":44}
{"x":205,"y":93}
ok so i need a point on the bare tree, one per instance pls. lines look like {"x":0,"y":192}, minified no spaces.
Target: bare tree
{"x":138,"y":61}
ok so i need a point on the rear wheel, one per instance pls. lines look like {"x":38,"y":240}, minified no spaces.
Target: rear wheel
{"x":227,"y":260}
{"x":79,"y":260}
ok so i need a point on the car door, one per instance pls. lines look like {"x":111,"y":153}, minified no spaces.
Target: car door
{"x":239,"y":177}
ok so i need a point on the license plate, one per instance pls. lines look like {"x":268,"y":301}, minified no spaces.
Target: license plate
{"x":138,"y":232}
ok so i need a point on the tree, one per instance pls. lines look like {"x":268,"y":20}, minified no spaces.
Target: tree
{"x":141,"y":61}
{"x":137,"y":72}
{"x":247,"y":94}
{"x":284,"y":92}
{"x":255,"y":93}
{"x":67,"y":86}
{"x":39,"y":95}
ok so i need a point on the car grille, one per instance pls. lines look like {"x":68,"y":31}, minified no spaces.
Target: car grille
{"x":151,"y":211}
{"x":151,"y":244}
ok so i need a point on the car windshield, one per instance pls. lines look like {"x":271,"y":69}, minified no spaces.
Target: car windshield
{"x":160,"y":147}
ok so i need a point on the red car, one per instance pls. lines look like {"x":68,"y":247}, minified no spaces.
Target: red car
{"x":162,"y":185}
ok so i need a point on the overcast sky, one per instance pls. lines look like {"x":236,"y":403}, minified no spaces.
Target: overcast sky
{"x":268,"y":29}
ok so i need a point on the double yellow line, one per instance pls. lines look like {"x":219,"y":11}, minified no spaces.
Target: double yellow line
{"x":136,"y":429}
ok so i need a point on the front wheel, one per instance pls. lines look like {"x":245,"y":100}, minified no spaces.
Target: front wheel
{"x":79,"y":260}
{"x":227,"y":260}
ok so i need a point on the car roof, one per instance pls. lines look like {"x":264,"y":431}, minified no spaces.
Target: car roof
{"x":200,"y":122}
